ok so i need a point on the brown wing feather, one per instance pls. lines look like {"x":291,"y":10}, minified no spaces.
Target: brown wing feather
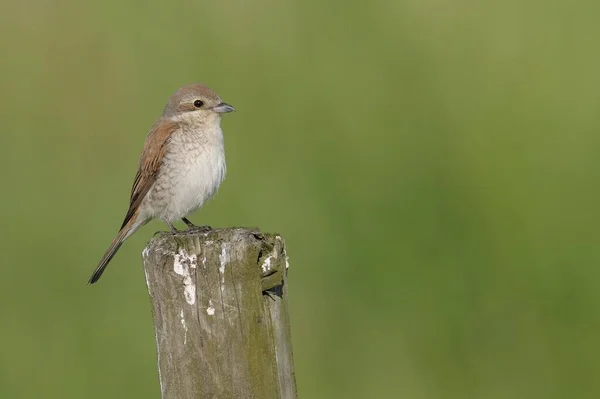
{"x":150,"y":163}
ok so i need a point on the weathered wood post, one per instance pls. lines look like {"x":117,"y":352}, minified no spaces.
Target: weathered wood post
{"x":220,"y":314}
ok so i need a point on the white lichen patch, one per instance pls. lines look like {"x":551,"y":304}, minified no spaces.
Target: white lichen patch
{"x":190,"y":290}
{"x":210,"y":310}
{"x":287,"y":259}
{"x":182,"y":265}
{"x":266,"y":266}
{"x":223,"y":259}
{"x":185,"y":329}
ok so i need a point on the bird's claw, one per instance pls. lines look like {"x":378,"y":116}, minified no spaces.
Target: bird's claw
{"x":201,"y":229}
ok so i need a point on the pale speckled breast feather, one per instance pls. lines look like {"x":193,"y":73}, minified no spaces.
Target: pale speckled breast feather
{"x":191,"y":173}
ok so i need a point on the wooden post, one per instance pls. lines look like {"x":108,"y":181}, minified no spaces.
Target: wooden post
{"x":220,"y":314}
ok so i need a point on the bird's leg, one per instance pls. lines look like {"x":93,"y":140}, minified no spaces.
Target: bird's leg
{"x":192,"y":226}
{"x":171,"y":226}
{"x":188,"y":223}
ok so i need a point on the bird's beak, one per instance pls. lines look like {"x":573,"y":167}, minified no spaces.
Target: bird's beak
{"x":223,"y":108}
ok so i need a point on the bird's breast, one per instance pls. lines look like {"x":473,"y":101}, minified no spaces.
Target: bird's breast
{"x":192,"y":171}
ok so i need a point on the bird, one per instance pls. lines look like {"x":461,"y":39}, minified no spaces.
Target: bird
{"x":181,"y":166}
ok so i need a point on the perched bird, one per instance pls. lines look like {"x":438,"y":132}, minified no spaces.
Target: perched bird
{"x":181,"y":166}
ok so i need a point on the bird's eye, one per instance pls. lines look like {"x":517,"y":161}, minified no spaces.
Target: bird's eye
{"x":198,"y":103}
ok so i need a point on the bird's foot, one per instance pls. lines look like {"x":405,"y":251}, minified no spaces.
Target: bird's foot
{"x":201,"y":229}
{"x":192,"y":227}
{"x":172,"y":227}
{"x":173,"y":232}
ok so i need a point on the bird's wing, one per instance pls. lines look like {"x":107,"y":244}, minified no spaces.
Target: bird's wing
{"x":151,"y":160}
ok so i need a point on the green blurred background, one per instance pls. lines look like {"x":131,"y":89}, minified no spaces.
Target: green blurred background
{"x":433,"y":166}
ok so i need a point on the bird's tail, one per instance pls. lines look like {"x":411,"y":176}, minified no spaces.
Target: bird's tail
{"x":128,"y":229}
